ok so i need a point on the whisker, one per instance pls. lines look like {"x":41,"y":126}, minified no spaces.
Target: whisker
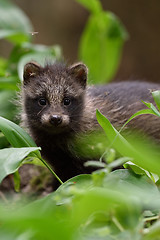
{"x":40,"y":111}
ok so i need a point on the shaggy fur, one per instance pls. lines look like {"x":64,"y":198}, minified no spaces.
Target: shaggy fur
{"x":57,"y":107}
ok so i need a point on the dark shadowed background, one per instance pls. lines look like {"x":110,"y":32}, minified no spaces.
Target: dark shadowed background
{"x":62,"y":22}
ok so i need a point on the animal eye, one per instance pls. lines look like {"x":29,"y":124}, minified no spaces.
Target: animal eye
{"x":66,"y":101}
{"x":42,"y":102}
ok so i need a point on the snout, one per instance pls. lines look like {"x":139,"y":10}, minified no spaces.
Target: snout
{"x":55,"y":120}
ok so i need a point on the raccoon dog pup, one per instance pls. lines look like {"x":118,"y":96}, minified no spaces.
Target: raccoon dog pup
{"x":57,"y":106}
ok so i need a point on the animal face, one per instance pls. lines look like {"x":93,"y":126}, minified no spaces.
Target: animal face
{"x":54,"y":96}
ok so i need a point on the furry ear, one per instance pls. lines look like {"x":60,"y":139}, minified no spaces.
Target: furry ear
{"x":79,"y":71}
{"x":31,"y":69}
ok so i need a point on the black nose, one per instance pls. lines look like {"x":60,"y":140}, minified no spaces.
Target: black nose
{"x":55,"y":120}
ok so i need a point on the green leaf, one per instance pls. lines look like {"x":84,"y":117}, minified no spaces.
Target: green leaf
{"x":39,"y":220}
{"x":133,"y":185}
{"x":15,"y":135}
{"x":113,"y":135}
{"x":38,"y":53}
{"x":105,"y":200}
{"x":11,"y":159}
{"x":101,"y":45}
{"x":156,"y":96}
{"x":29,"y":48}
{"x":140,"y":171}
{"x":3,"y":141}
{"x":153,"y":108}
{"x":118,"y":162}
{"x":14,"y":24}
{"x":32,"y":52}
{"x":93,"y":6}
{"x":83,"y":181}
{"x":141,"y":112}
{"x":135,"y":149}
{"x":16,"y":181}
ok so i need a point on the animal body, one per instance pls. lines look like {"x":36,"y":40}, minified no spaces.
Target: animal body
{"x":58,"y":106}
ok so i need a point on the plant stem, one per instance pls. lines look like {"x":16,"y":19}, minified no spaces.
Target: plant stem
{"x":50,"y":169}
{"x":117,"y":223}
{"x":149,"y":219}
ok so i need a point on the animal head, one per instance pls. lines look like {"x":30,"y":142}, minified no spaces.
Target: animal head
{"x":54,"y":95}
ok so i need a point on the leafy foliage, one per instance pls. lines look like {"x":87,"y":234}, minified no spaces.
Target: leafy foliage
{"x":81,"y":210}
{"x":120,"y":204}
{"x":17,"y":29}
{"x":101,"y":42}
{"x":14,"y":25}
{"x":16,"y":136}
{"x":12,"y":158}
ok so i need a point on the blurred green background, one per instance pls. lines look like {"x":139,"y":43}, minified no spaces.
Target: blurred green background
{"x":62,"y":22}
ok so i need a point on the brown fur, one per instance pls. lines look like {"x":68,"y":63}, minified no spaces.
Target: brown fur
{"x":54,"y":124}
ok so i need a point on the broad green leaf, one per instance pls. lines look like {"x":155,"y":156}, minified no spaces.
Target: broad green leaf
{"x":156,"y":96}
{"x":81,"y":189}
{"x":101,"y":45}
{"x":146,"y":157}
{"x":15,"y":135}
{"x":93,"y":6}
{"x":83,"y":181}
{"x":14,"y":24}
{"x":126,"y":181}
{"x":11,"y":159}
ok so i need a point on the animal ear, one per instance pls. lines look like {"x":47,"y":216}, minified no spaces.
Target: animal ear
{"x":31,"y":69}
{"x":79,"y":71}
